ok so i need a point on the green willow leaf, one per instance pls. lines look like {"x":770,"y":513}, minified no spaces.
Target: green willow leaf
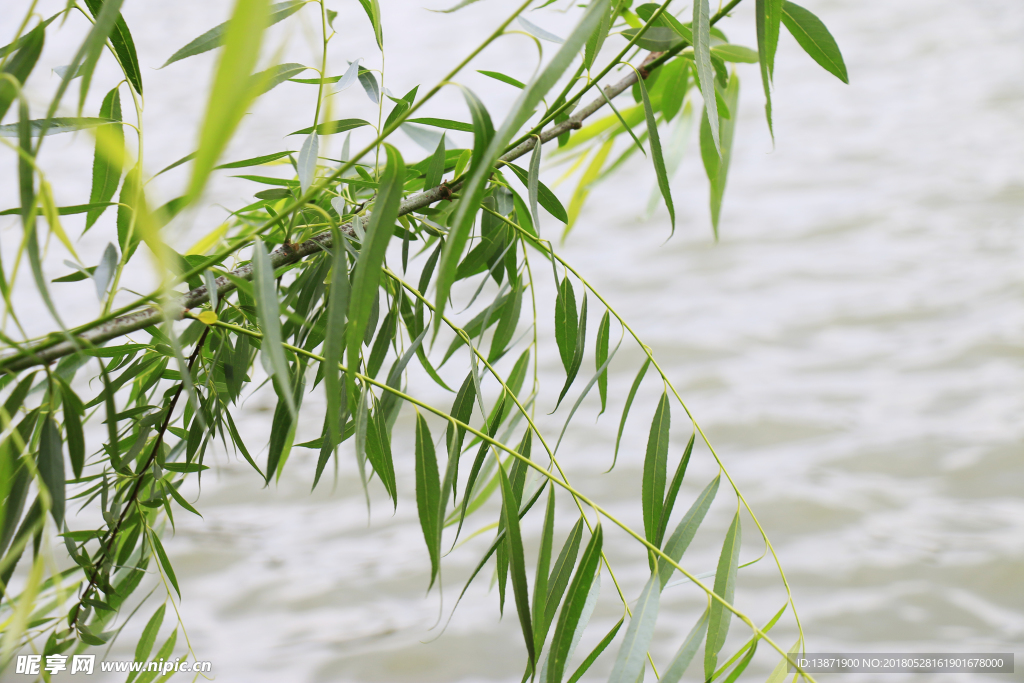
{"x":735,"y":53}
{"x":508,"y":319}
{"x":655,"y":466}
{"x":815,"y":39}
{"x":232,"y":89}
{"x":578,"y":351}
{"x":680,"y":539}
{"x":562,"y":572}
{"x":657,"y":155}
{"x":498,"y":76}
{"x":20,"y":65}
{"x":629,"y":403}
{"x":476,"y":184}
{"x":686,"y":652}
{"x":566,"y":322}
{"x":540,"y":580}
{"x":596,"y":652}
{"x":633,"y":652}
{"x":435,"y":171}
{"x":148,"y":638}
{"x":447,"y":124}
{"x":334,"y":343}
{"x":474,"y":472}
{"x":575,"y":600}
{"x":164,"y":562}
{"x":332,"y":127}
{"x":517,"y":562}
{"x":85,"y":61}
{"x":428,"y":494}
{"x":216,"y":36}
{"x":545,"y":196}
{"x":533,"y":182}
{"x":268,"y":79}
{"x":268,"y":313}
{"x":702,"y":58}
{"x":366,"y":280}
{"x":372,"y":9}
{"x":308,"y":154}
{"x":725,"y":586}
{"x":768,"y":15}
{"x":163,"y":654}
{"x":716,"y":158}
{"x":378,"y":451}
{"x":673,"y":491}
{"x":601,"y":357}
{"x":55,"y":125}
{"x":124,"y":46}
{"x":73,"y":413}
{"x":51,"y":467}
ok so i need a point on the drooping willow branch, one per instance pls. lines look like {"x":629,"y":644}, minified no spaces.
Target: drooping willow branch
{"x":284,"y":255}
{"x":552,"y":478}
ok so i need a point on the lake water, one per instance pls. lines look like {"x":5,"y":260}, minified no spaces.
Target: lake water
{"x":852,"y":346}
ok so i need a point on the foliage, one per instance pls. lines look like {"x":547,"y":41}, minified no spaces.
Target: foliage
{"x":341,"y":275}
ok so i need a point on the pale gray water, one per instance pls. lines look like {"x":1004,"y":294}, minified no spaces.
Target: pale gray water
{"x":852,"y":347}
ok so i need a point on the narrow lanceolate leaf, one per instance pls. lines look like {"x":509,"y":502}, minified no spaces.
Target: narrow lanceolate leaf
{"x":307,"y":161}
{"x":686,"y":651}
{"x":378,"y":451}
{"x":428,"y":493}
{"x":20,"y":66}
{"x":657,"y":156}
{"x":334,"y":343}
{"x":373,"y":13}
{"x":51,"y":467}
{"x":533,"y":184}
{"x":687,"y":529}
{"x":517,"y":562}
{"x":655,"y":466}
{"x":578,"y":351}
{"x":215,"y":37}
{"x":476,"y":184}
{"x":633,"y":653}
{"x":105,"y":270}
{"x":84,"y":63}
{"x":768,"y":14}
{"x":124,"y":48}
{"x":673,"y":490}
{"x":566,"y":323}
{"x":148,"y":638}
{"x":54,"y":126}
{"x":435,"y":170}
{"x":164,"y":562}
{"x":601,"y":357}
{"x":596,"y":652}
{"x":815,"y":39}
{"x":561,"y":573}
{"x":268,"y":312}
{"x":232,"y":89}
{"x":716,"y":159}
{"x":575,"y":600}
{"x":366,"y":280}
{"x":702,"y":58}
{"x":540,"y":580}
{"x":73,"y":412}
{"x":462,"y":410}
{"x":332,"y":127}
{"x":725,"y":586}
{"x":629,"y":403}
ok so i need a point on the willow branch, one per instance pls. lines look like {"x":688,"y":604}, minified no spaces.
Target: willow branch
{"x":292,"y":253}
